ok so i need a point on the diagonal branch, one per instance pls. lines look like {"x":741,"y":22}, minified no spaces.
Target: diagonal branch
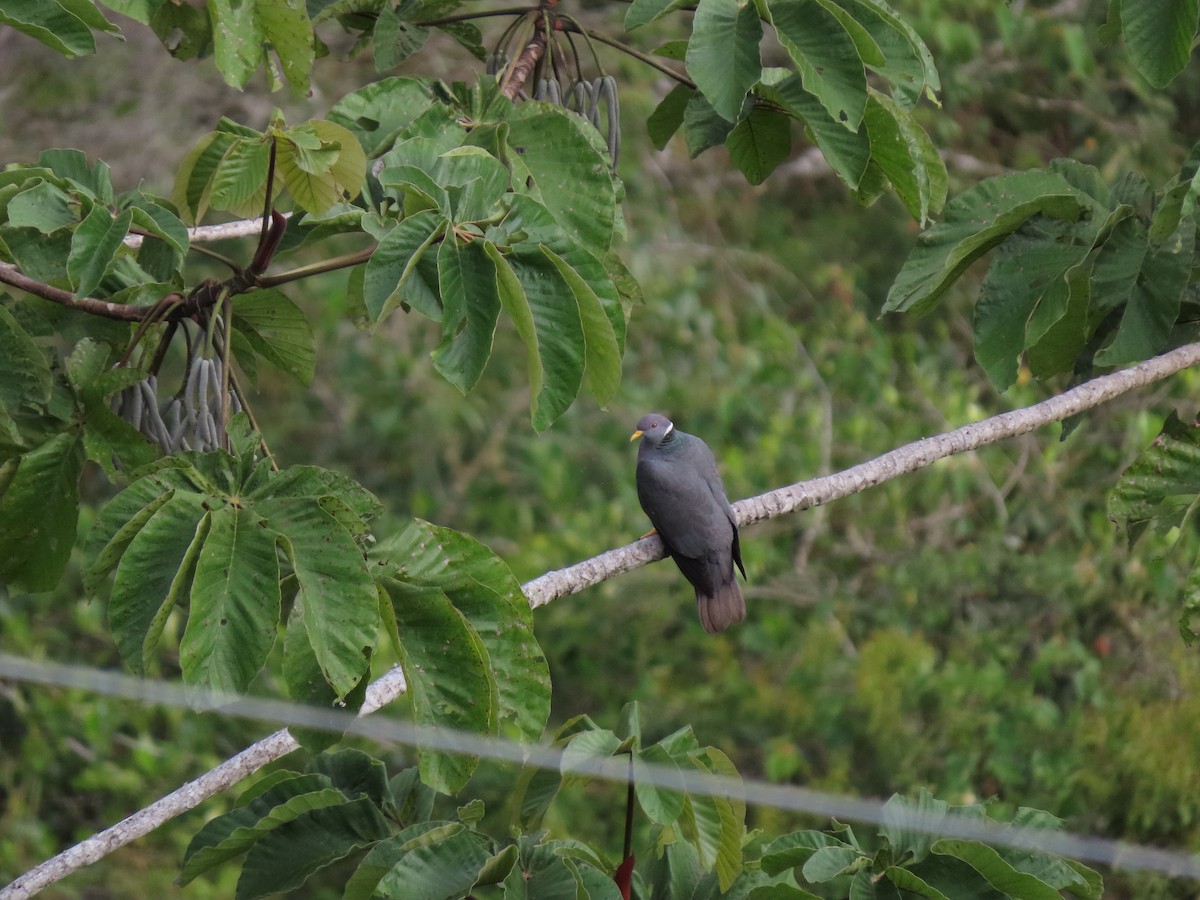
{"x":548,"y":587}
{"x":11,"y":275}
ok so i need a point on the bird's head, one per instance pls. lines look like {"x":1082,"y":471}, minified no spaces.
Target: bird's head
{"x":653,"y":427}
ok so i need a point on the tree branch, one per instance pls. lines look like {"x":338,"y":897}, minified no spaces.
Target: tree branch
{"x":552,"y":585}
{"x":11,"y":275}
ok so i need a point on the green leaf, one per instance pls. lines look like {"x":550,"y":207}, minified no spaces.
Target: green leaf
{"x":193,"y":180}
{"x":51,"y":23}
{"x":39,"y":510}
{"x":318,"y":177}
{"x":25,"y":379}
{"x":560,"y":340}
{"x":287,"y":856}
{"x":570,"y":170}
{"x":482,"y":587}
{"x":445,"y":667}
{"x":722,"y":55}
{"x":760,"y":142}
{"x":395,"y":40}
{"x":278,"y":331}
{"x":825,"y":56}
{"x":245,"y":32}
{"x":1160,"y":488}
{"x":235,"y":603}
{"x":44,"y":206}
{"x":703,"y":128}
{"x":794,"y":850}
{"x":439,"y":863}
{"x":602,"y":354}
{"x":847,"y":152}
{"x":289,"y":33}
{"x":394,"y":260}
{"x":827,"y":863}
{"x":974,"y":222}
{"x":911,"y":844}
{"x":1155,"y":300}
{"x":96,"y":241}
{"x":907,"y":156}
{"x":232,"y":834}
{"x":471,"y":308}
{"x":643,"y":12}
{"x":340,"y":611}
{"x":306,"y":682}
{"x":377,"y":113}
{"x":240,"y":183}
{"x":668,"y":115}
{"x":153,"y":574}
{"x":998,"y":873}
{"x":1160,"y":35}
{"x":1030,"y":269}
{"x":908,"y":880}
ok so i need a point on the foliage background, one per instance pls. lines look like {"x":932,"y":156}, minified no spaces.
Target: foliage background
{"x":980,"y":628}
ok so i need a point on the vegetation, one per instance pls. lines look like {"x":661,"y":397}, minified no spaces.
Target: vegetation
{"x":980,"y":629}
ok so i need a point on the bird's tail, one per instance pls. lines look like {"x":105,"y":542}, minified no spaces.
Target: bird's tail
{"x":722,"y":608}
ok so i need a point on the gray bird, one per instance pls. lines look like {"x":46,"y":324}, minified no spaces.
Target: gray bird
{"x":681,"y":491}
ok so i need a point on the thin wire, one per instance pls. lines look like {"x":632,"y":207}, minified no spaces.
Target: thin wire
{"x":792,"y":798}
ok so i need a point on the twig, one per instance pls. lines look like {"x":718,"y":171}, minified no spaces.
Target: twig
{"x":552,"y":585}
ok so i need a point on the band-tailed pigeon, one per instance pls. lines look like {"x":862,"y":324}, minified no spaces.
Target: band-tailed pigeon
{"x":681,"y":491}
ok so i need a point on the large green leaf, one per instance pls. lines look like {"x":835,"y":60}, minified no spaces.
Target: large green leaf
{"x":560,"y":339}
{"x":825,"y":56}
{"x":377,"y":113}
{"x":1157,"y":294}
{"x":154,"y":573}
{"x":287,"y":856}
{"x":234,"y":832}
{"x":340,"y":610}
{"x":974,"y":222}
{"x":1160,"y":488}
{"x":25,"y":379}
{"x":1029,"y":269}
{"x":93,"y":246}
{"x":42,"y":205}
{"x":760,"y":142}
{"x":1160,"y":35}
{"x":602,"y":353}
{"x":240,"y":183}
{"x":847,"y":152}
{"x":471,"y":308}
{"x":643,"y":12}
{"x":277,"y":330}
{"x":722,"y":54}
{"x":193,"y":180}
{"x":570,"y":171}
{"x":668,"y":115}
{"x":245,"y":32}
{"x":446,"y":669}
{"x":50,"y":22}
{"x":235,"y":603}
{"x":998,"y":873}
{"x":39,"y":509}
{"x":395,"y":259}
{"x":907,"y":156}
{"x":434,"y":861}
{"x":207,"y":525}
{"x":319,"y":162}
{"x":446,"y":587}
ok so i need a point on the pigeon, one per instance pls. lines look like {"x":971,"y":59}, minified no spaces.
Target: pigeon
{"x":681,"y":491}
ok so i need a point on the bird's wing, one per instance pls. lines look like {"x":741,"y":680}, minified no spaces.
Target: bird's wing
{"x":682,"y":508}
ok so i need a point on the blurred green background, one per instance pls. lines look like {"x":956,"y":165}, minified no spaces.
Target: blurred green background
{"x":979,"y":628}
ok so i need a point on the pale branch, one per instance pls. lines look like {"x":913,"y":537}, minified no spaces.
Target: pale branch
{"x":552,"y":585}
{"x":901,"y":461}
{"x":208,"y":233}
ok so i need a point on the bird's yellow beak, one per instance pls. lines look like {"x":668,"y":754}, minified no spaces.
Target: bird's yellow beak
{"x":637,"y":434}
